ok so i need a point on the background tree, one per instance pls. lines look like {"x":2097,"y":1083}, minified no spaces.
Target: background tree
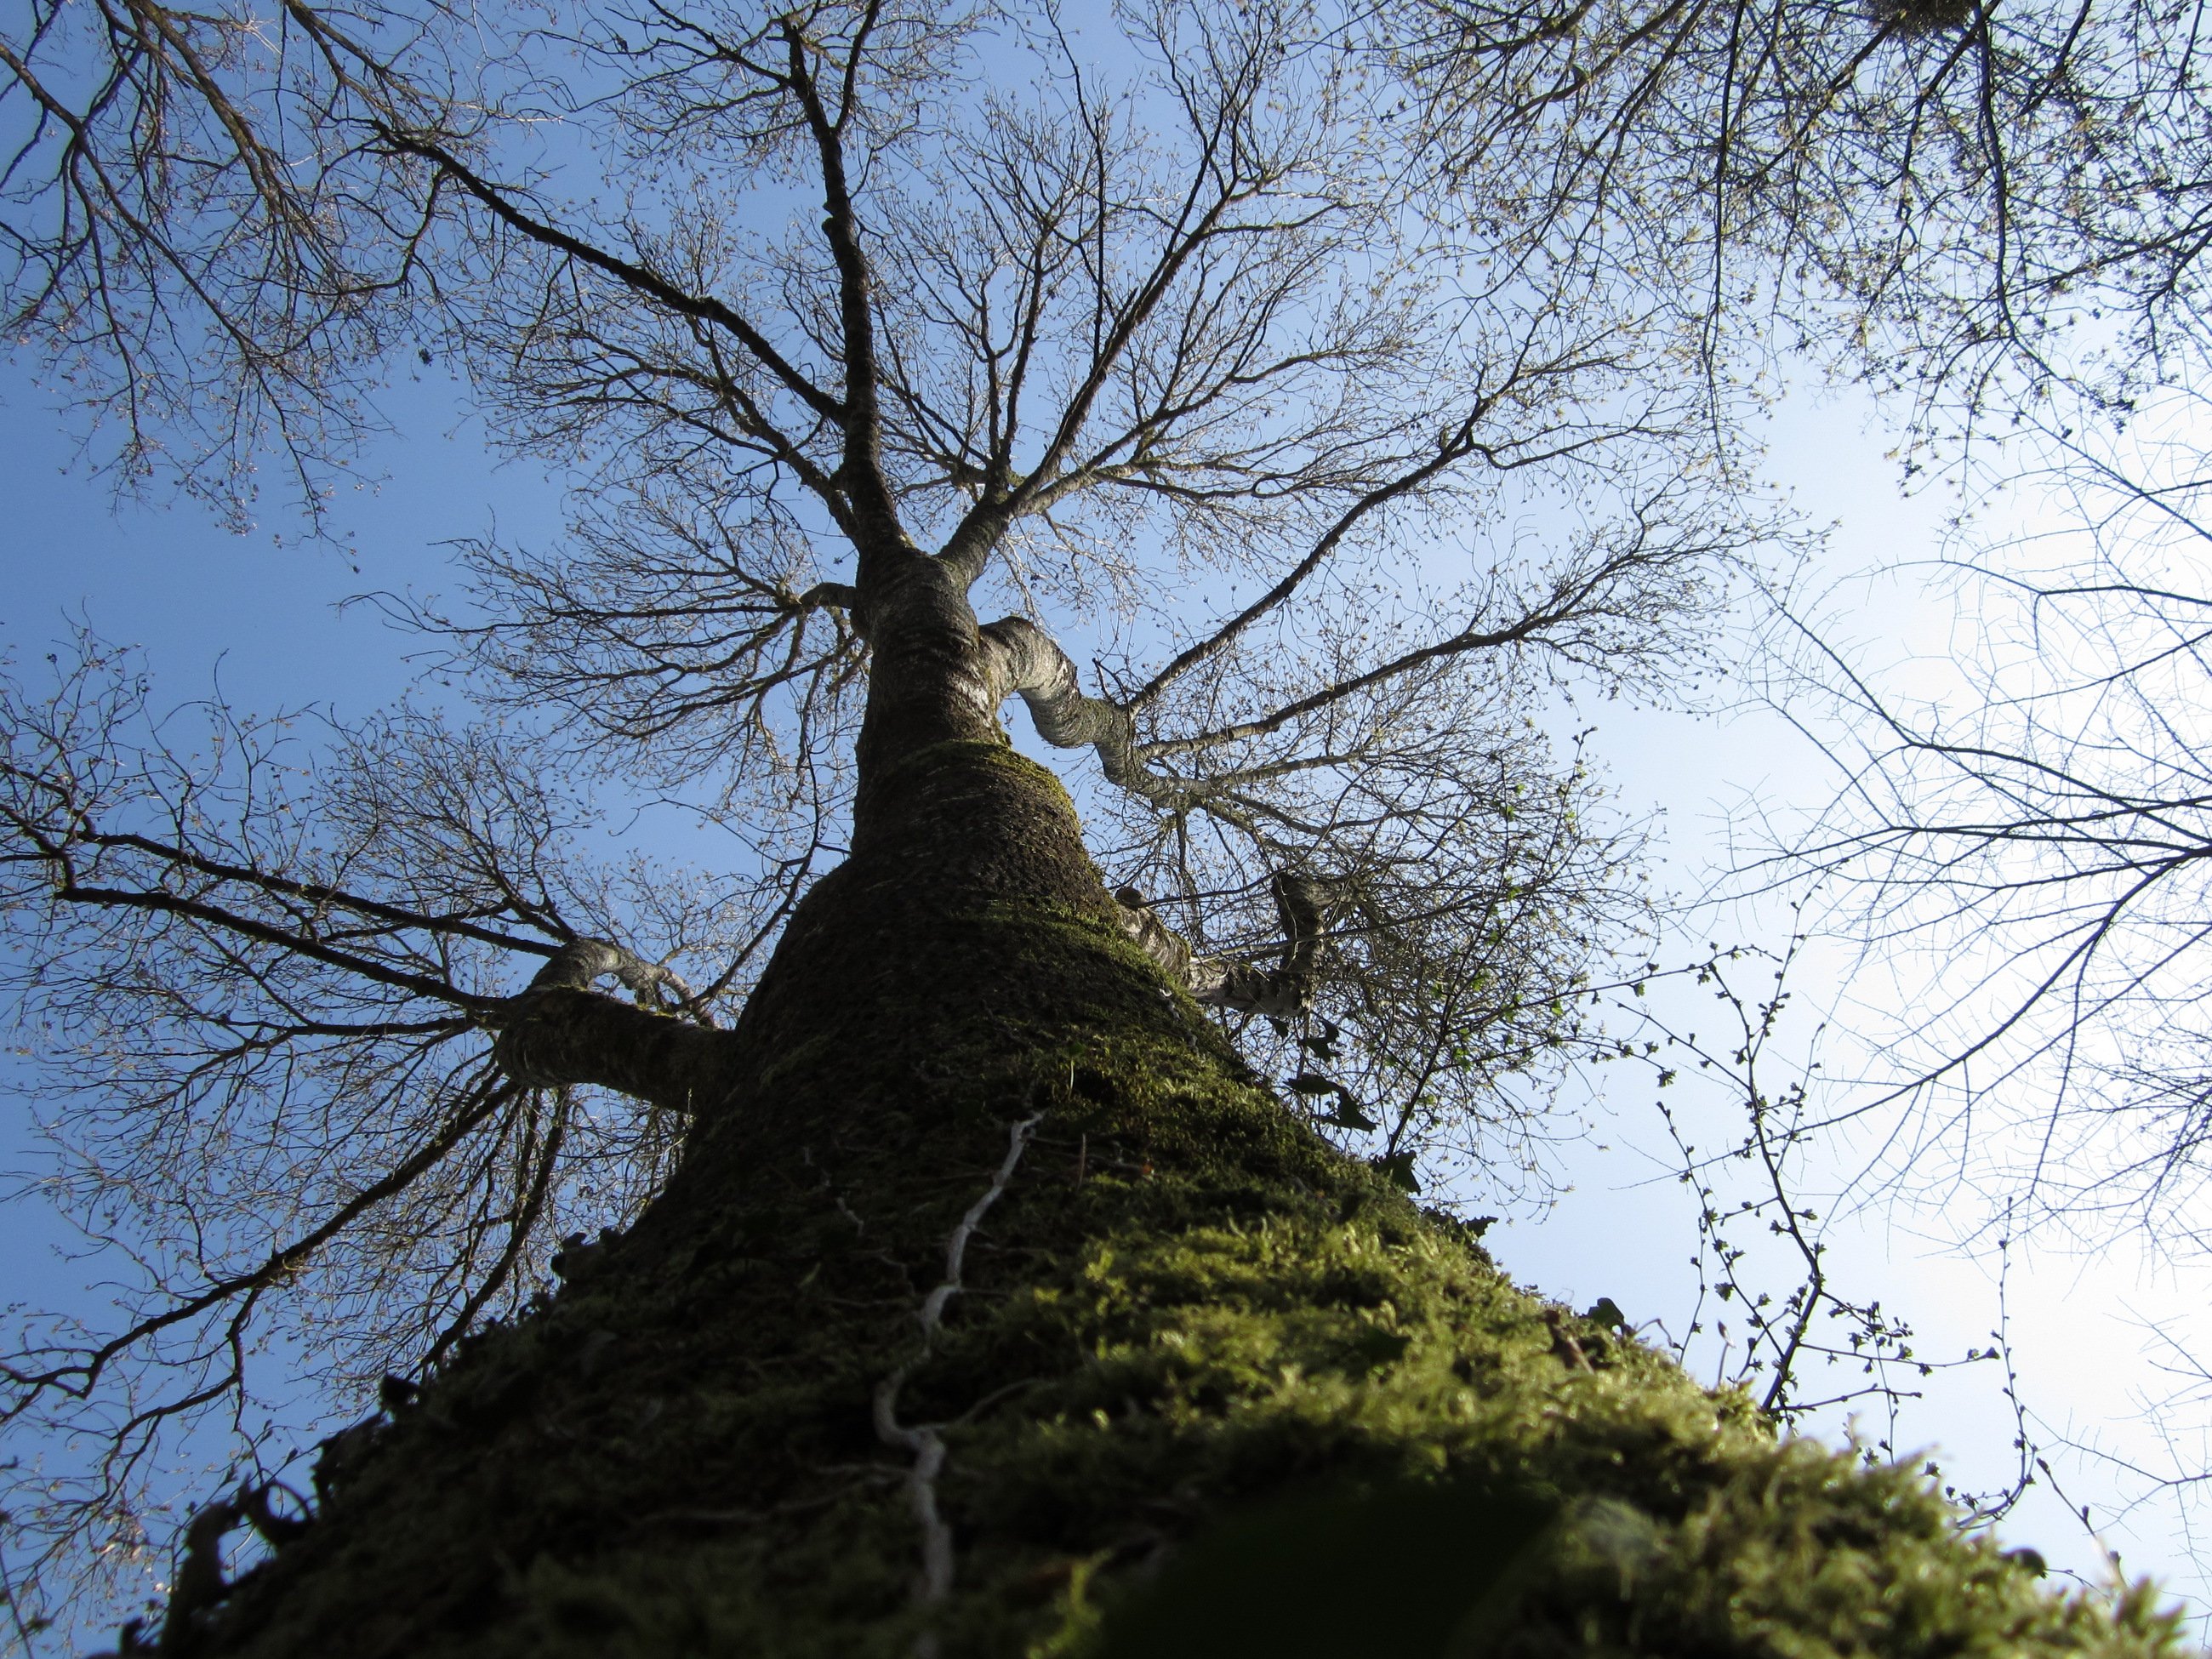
{"x":1994,"y":211}
{"x":1082,"y":339}
{"x":2028,"y":836}
{"x":1983,"y":206}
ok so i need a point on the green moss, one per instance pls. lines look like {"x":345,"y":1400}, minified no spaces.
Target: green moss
{"x":1221,"y":1311}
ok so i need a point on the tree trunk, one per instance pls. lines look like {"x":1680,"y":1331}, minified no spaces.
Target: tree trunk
{"x":764,"y":1422}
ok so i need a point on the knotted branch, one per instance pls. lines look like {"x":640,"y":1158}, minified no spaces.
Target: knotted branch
{"x":1024,"y":660}
{"x":1283,"y":991}
{"x":560,"y":1031}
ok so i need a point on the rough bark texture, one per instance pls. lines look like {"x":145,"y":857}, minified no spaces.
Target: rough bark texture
{"x":992,"y":1277}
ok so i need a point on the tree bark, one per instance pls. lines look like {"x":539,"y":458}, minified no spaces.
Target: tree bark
{"x":991,"y":1275}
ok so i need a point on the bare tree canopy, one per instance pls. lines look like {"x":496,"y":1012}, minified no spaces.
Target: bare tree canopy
{"x":1163,"y":359}
{"x":1180,"y":349}
{"x":2023,"y":848}
{"x":1980,"y":205}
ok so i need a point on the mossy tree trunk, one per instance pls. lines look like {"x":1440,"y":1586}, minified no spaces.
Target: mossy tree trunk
{"x":990,"y":1275}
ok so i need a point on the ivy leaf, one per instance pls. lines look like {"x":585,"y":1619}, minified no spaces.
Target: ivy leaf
{"x":1398,"y":1170}
{"x":1348,"y":1115}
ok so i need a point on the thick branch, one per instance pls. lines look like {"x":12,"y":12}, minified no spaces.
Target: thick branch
{"x":575,"y":966}
{"x":1024,"y":660}
{"x":1561,"y":607}
{"x":650,"y":283}
{"x":1455,"y":447}
{"x":317,"y":892}
{"x":560,"y":1035}
{"x":419,"y":985}
{"x":1283,"y":991}
{"x":861,"y":471}
{"x":1195,"y":224}
{"x":80,"y":1377}
{"x":560,"y":1031}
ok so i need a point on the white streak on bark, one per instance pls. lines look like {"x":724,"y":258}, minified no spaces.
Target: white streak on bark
{"x":925,"y":1441}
